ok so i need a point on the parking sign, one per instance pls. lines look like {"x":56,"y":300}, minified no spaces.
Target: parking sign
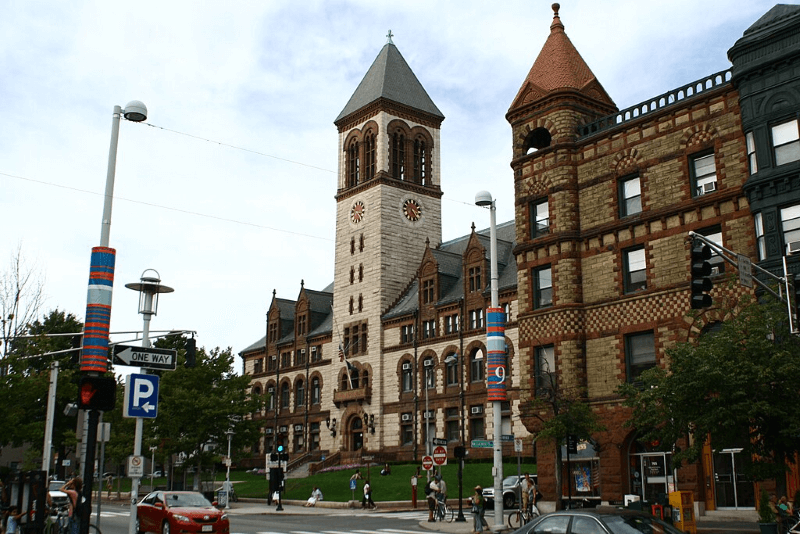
{"x":141,"y":396}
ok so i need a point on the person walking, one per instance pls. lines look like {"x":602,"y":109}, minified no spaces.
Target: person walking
{"x":431,"y":489}
{"x":73,"y":490}
{"x":367,"y":502}
{"x":477,"y":510}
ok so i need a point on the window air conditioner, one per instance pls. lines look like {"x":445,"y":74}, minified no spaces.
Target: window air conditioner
{"x":714,"y":270}
{"x":428,"y":363}
{"x":406,"y":417}
{"x":476,"y":410}
{"x":268,"y":431}
{"x":793,"y":247}
{"x":708,"y":187}
{"x":284,"y":429}
{"x":406,"y":367}
{"x":298,"y":428}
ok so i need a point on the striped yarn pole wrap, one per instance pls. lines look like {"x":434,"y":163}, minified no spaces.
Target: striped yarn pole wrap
{"x":94,"y":353}
{"x":496,"y":357}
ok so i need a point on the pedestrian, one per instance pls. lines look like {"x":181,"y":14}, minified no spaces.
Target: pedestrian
{"x":73,"y":489}
{"x":477,"y":510}
{"x":316,"y":495}
{"x":356,"y":475}
{"x":442,"y":494}
{"x":431,"y":489}
{"x":367,"y":502}
{"x":784,"y":512}
{"x":109,"y":480}
{"x":386,"y":470}
{"x":12,"y":522}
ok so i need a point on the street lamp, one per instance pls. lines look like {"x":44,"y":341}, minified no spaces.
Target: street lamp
{"x":228,"y":433}
{"x":451,"y":359}
{"x":495,"y":365}
{"x":149,"y":287}
{"x":94,"y":353}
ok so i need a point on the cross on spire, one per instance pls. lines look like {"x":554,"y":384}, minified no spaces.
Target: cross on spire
{"x":389,"y":37}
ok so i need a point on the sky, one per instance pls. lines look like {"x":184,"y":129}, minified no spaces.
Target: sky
{"x":227,"y":190}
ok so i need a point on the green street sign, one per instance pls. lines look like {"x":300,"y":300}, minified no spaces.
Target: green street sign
{"x":482,"y":444}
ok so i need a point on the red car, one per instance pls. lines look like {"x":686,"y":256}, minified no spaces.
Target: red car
{"x":179,"y":512}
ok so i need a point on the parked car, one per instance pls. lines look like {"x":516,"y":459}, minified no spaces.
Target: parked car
{"x":511,"y":491}
{"x":181,"y":512}
{"x":158,"y":474}
{"x":57,"y":497}
{"x":600,"y":520}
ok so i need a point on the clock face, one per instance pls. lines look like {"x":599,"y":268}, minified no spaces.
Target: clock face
{"x":357,"y":212}
{"x":412,"y":210}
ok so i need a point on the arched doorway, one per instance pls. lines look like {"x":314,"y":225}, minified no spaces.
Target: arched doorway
{"x":356,"y":433}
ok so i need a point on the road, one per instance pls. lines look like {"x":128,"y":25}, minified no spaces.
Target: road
{"x":114,"y":519}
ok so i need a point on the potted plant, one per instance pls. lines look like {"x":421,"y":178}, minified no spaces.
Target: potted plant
{"x":766,"y":516}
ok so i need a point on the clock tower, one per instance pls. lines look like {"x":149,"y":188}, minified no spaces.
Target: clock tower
{"x":388,"y":199}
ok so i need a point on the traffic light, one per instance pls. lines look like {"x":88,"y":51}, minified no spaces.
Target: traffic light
{"x":97,"y":393}
{"x":701,"y":276}
{"x":191,"y":349}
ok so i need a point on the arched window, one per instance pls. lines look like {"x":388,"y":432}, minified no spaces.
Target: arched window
{"x":420,"y":162}
{"x":354,"y":378}
{"x":353,"y":164}
{"x":300,"y":394}
{"x":476,"y":365}
{"x":369,"y":155}
{"x":285,"y":395}
{"x":407,"y":377}
{"x":361,"y":272}
{"x":364,"y":379}
{"x":536,"y":140}
{"x":398,"y":155}
{"x":353,"y":274}
{"x":316,"y":396}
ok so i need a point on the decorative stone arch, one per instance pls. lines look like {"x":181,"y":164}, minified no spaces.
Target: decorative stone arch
{"x":534,"y":136}
{"x":536,"y":188}
{"x":627,"y":161}
{"x":779,"y":101}
{"x":698,"y":137}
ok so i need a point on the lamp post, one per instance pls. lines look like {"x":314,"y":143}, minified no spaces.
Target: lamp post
{"x":427,"y":366}
{"x":149,"y":287}
{"x":455,"y":358}
{"x":94,"y":352}
{"x":228,"y":433}
{"x":495,"y":348}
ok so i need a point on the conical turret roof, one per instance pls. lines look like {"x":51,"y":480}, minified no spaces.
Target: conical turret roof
{"x":559,"y":67}
{"x":392,"y":79}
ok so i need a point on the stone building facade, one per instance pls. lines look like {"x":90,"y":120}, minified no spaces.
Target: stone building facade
{"x":353,"y":371}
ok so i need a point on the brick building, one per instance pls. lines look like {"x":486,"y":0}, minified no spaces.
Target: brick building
{"x":623,"y":189}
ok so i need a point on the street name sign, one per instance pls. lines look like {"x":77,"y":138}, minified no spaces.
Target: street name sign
{"x":146,"y":357}
{"x":507,"y":437}
{"x":482,"y":444}
{"x":141,"y":396}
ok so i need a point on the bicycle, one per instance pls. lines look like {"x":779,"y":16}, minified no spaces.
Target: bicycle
{"x":443,"y":511}
{"x":794,"y":520}
{"x":61,"y":524}
{"x":522,"y":517}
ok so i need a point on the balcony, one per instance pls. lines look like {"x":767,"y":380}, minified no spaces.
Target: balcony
{"x":349,"y":395}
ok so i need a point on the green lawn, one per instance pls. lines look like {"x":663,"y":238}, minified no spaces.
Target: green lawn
{"x":335,"y":484}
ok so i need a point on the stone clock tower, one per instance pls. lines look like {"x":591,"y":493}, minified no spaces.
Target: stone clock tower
{"x":388,"y":201}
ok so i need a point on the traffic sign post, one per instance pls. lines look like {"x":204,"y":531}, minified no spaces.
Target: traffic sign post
{"x":145,"y":357}
{"x":141,"y":396}
{"x":439,"y":441}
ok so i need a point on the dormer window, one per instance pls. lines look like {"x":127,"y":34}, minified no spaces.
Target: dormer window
{"x":428,"y":292}
{"x":474,"y":275}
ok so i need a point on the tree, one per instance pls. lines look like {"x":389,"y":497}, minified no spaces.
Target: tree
{"x":24,"y":388}
{"x":562,"y":412}
{"x":198,"y":405}
{"x":736,"y":387}
{"x":21,"y":298}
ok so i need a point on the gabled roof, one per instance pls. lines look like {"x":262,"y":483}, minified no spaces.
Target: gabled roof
{"x":390,"y":78}
{"x":450,"y":259}
{"x":559,"y":67}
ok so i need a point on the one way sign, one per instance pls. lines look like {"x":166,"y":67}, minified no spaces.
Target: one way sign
{"x":141,"y":396}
